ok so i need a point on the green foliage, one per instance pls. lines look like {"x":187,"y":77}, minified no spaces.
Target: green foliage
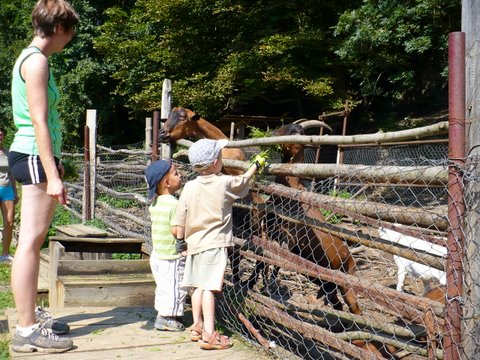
{"x":4,"y":348}
{"x":5,"y":270}
{"x":116,"y":202}
{"x":396,"y":51}
{"x":247,"y":53}
{"x":61,"y":217}
{"x":6,"y":300}
{"x":97,"y":223}
{"x":119,"y":256}
{"x":334,"y":218}
{"x":71,"y":171}
{"x":267,"y":150}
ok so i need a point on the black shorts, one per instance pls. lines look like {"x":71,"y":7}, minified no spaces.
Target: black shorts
{"x":27,"y":169}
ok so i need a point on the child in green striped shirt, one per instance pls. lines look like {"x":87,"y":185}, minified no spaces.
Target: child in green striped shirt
{"x":166,"y":264}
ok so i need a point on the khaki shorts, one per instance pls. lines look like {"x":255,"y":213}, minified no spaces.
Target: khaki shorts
{"x":205,"y":270}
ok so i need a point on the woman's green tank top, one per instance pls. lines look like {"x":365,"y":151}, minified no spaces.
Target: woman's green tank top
{"x":24,"y":140}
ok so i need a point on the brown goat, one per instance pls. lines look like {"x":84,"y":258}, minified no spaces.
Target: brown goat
{"x":184,"y":123}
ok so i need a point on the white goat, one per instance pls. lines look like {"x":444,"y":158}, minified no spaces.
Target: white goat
{"x":413,"y":268}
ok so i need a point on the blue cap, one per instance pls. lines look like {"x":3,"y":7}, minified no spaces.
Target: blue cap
{"x":154,"y":173}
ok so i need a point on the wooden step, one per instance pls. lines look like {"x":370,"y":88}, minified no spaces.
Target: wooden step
{"x":106,"y":290}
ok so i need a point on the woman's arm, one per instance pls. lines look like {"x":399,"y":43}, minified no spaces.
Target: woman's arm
{"x":35,"y":72}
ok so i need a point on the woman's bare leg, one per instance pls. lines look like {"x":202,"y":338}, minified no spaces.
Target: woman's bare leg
{"x":36,"y":215}
{"x":8,"y":214}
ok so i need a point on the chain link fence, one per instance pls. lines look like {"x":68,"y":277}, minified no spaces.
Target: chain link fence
{"x":350,"y":267}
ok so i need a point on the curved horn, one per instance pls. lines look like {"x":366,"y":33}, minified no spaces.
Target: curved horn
{"x":307,"y":124}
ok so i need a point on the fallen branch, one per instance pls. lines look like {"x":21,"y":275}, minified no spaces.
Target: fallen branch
{"x":251,"y":329}
{"x":346,"y":317}
{"x":131,"y":196}
{"x":309,"y":331}
{"x":124,"y":151}
{"x":124,"y":214}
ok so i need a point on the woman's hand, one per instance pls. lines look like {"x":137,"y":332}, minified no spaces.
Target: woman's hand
{"x":57,"y":190}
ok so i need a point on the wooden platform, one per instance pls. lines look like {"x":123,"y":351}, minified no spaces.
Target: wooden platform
{"x":128,"y":333}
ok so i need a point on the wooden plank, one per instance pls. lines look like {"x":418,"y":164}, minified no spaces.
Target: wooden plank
{"x":93,"y":267}
{"x":106,"y":279}
{"x":110,"y":248}
{"x":129,"y":293}
{"x":107,"y":240}
{"x":55,"y":250}
{"x":81,"y":230}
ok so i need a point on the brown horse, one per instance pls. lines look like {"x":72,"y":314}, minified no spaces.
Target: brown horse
{"x":184,"y":123}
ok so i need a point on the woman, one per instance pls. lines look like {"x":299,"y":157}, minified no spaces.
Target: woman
{"x":8,"y":199}
{"x":34,"y":161}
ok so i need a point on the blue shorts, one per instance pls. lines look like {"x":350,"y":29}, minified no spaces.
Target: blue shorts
{"x":7,"y":193}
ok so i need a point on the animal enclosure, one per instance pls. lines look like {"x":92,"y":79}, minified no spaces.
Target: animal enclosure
{"x":288,"y":287}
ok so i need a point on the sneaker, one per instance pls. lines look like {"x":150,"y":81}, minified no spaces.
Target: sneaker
{"x":168,"y":323}
{"x":41,"y":340}
{"x":48,"y":322}
{"x":7,"y":259}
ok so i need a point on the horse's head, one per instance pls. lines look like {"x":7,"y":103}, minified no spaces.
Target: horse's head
{"x":181,"y":123}
{"x":294,"y":152}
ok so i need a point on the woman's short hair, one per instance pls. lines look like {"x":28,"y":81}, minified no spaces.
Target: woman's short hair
{"x":49,"y":13}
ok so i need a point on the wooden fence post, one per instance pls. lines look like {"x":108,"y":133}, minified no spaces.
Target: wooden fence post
{"x":156,"y":122}
{"x":166,"y":152}
{"x":86,"y":206}
{"x":148,"y":134}
{"x":471,"y":325}
{"x":92,"y":127}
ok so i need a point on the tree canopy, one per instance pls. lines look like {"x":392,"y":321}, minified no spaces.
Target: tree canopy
{"x":264,"y":57}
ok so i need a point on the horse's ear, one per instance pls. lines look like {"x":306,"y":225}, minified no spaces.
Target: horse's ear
{"x":195,"y":117}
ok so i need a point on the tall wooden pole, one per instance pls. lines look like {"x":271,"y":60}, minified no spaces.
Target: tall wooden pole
{"x":156,"y":124}
{"x":166,"y":152}
{"x":92,"y":132}
{"x":471,"y":324}
{"x":86,"y":208}
{"x":148,"y":134}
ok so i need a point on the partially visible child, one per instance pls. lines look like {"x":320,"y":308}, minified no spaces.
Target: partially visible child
{"x":204,"y":220}
{"x":166,"y":264}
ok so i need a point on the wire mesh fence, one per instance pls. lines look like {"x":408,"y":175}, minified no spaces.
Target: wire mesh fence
{"x":345,"y":267}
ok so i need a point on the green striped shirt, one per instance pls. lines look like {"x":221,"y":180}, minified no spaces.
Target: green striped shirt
{"x":162,"y":211}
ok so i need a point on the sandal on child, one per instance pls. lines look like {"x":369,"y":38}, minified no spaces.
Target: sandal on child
{"x":195,"y":332}
{"x":215,"y":341}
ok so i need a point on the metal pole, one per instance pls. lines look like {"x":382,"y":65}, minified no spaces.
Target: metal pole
{"x":156,"y":123}
{"x":456,"y":207}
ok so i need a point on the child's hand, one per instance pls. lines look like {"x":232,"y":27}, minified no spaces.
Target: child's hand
{"x":180,"y":246}
{"x":260,"y":161}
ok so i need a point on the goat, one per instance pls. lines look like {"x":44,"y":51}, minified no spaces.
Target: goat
{"x":312,"y":244}
{"x":183,"y":123}
{"x":424,"y":272}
